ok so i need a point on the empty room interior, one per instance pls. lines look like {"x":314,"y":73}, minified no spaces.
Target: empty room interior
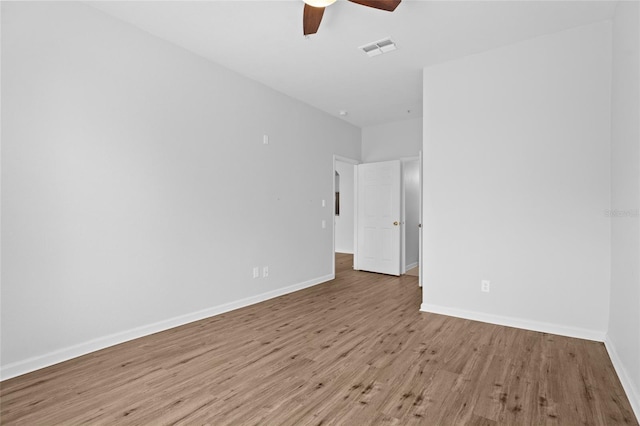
{"x":321,"y":212}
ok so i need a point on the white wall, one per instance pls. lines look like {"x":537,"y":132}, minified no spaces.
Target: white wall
{"x":411,"y":185}
{"x":623,"y":336}
{"x":136,"y":191}
{"x":516,"y":182}
{"x":344,"y":222}
{"x":391,"y":141}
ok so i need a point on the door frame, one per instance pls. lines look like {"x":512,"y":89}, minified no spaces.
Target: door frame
{"x":420,"y":220}
{"x":355,"y":162}
{"x":333,"y":211}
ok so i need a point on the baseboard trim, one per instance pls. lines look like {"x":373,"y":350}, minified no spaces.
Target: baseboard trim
{"x":633,"y":394}
{"x":543,"y":327}
{"x":411,"y":266}
{"x":32,"y":364}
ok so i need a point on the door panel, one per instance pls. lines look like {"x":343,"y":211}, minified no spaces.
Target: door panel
{"x":387,"y":244}
{"x":378,"y":209}
{"x":369,"y":243}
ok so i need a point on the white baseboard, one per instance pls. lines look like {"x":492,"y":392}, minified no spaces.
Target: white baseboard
{"x":562,"y":330}
{"x":31,"y":364}
{"x":411,"y":266}
{"x":633,"y":394}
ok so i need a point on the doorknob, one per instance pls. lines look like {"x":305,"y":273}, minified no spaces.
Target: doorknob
{"x":395,"y":223}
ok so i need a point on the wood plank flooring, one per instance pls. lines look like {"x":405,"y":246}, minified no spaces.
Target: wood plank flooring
{"x":353,"y":351}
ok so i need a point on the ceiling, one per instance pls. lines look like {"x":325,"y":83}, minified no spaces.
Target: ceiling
{"x":263,"y":40}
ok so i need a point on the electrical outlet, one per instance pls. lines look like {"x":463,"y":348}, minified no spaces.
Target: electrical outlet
{"x":485,"y":286}
{"x":265,"y":272}
{"x":256,"y":272}
{"x":265,"y":139}
{"x":324,"y":203}
{"x":324,"y":224}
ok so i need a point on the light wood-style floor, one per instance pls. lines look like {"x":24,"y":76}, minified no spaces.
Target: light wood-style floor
{"x":353,"y":351}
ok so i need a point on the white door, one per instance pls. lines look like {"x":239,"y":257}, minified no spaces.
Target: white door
{"x":378,"y":216}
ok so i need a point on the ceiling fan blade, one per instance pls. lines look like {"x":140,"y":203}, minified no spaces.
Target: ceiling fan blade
{"x":388,"y":5}
{"x":311,"y":18}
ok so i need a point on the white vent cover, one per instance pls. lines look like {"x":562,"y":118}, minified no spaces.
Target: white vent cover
{"x":379,"y":47}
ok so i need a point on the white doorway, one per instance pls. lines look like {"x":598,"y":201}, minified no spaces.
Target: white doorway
{"x":344,"y":205}
{"x":345,"y":210}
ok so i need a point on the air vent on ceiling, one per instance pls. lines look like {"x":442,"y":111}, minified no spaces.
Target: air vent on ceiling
{"x":379,"y":47}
